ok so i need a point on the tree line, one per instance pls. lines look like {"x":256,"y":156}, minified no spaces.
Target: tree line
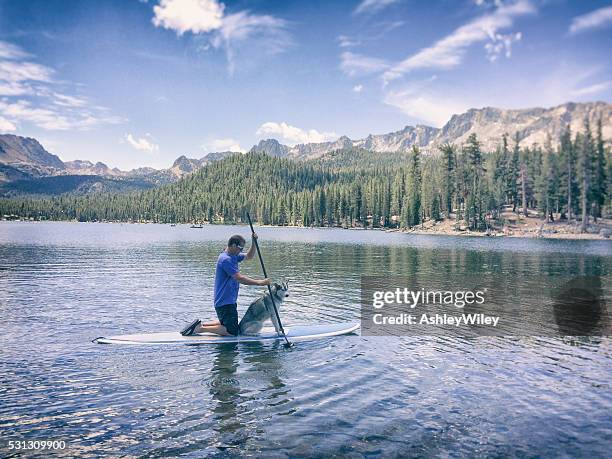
{"x":351,"y":188}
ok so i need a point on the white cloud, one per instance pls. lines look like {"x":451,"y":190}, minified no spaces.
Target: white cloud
{"x":6,"y":125}
{"x":425,"y":106}
{"x":9,"y":88}
{"x":372,"y":6}
{"x":501,"y":43}
{"x":358,"y":88}
{"x":593,"y":20}
{"x":554,"y":86}
{"x":69,"y":101}
{"x":16,"y":71}
{"x":142,"y":144}
{"x":355,"y":64}
{"x":47,"y":117}
{"x":227,"y":144}
{"x":194,"y":16}
{"x":566,"y":79}
{"x":449,"y":51}
{"x":10,"y":51}
{"x":45,"y":106}
{"x":592,"y":89}
{"x":344,"y":41}
{"x":243,"y":26}
{"x":373,"y":32}
{"x":226,"y":31}
{"x":489,"y":2}
{"x":419,"y":100}
{"x":294,"y":135}
{"x":42,"y":117}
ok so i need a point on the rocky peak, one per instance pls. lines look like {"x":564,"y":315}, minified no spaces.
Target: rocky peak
{"x":216,"y":156}
{"x":270,"y":147}
{"x":26,"y":150}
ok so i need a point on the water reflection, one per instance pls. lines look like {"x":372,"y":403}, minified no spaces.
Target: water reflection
{"x":246,"y":387}
{"x":355,"y":395}
{"x":225,"y":392}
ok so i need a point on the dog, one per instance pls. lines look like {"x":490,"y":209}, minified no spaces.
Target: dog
{"x":262,"y":309}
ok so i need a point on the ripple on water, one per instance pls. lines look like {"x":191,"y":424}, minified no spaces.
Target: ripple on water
{"x":63,"y":284}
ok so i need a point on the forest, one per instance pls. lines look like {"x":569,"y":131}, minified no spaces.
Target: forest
{"x":566,"y":178}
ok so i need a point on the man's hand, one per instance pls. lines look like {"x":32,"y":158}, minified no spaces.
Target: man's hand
{"x":251,"y":253}
{"x":266,"y":281}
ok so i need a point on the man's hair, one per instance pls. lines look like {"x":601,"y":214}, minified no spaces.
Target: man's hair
{"x":236,"y":239}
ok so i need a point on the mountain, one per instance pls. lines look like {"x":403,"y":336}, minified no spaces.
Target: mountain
{"x":183,"y":166}
{"x":316,"y":150}
{"x":533,"y":126}
{"x":24,"y":158}
{"x":74,"y":184}
{"x":403,"y":140}
{"x":10,"y":174}
{"x":24,"y":155}
{"x":271,"y":147}
{"x":26,"y":167}
{"x":79,"y":167}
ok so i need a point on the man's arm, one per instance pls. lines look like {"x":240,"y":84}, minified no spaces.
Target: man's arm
{"x":246,"y":280}
{"x":251,"y":253}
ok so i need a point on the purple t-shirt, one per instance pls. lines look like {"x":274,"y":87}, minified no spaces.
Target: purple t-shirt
{"x":226,"y":287}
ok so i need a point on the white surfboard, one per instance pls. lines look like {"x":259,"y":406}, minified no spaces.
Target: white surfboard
{"x":294,"y":333}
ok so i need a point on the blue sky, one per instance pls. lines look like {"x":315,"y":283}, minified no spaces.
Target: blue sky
{"x":138,"y":83}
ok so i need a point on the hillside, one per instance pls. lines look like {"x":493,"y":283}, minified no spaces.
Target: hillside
{"x":360,"y":188}
{"x":75,"y":184}
{"x":23,"y":159}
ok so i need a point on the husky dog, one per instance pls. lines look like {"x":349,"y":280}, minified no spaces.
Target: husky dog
{"x":262,"y":309}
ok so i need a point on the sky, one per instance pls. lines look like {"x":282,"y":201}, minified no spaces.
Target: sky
{"x":135,"y":83}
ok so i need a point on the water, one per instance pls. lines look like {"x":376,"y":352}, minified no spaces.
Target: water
{"x":62,"y":284}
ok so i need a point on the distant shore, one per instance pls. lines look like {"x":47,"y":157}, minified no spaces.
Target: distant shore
{"x":519,"y":226}
{"x":532,"y":227}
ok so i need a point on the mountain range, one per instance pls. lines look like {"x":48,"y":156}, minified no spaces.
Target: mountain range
{"x":532,"y":125}
{"x":25,"y":159}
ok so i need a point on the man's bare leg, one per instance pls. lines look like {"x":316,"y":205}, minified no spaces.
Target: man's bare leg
{"x":209,"y":324}
{"x":215,"y":328}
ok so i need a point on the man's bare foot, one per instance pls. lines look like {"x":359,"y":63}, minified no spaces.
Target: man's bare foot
{"x":216,"y":329}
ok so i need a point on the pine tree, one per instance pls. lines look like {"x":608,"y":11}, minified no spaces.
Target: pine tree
{"x":474,"y":207}
{"x":566,"y":170}
{"x":449,"y":160}
{"x":547,"y":181}
{"x":600,"y":180}
{"x":585,"y":162}
{"x":435,"y":209}
{"x":513,"y":173}
{"x":414,"y":187}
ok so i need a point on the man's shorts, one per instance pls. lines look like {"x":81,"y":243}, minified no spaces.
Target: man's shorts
{"x":228,"y":316}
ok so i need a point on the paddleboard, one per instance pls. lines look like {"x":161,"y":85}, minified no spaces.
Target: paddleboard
{"x":294,"y":333}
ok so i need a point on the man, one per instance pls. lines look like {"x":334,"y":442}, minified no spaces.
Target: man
{"x":227,"y":284}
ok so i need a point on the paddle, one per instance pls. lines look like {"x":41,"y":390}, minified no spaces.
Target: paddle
{"x":280,"y":325}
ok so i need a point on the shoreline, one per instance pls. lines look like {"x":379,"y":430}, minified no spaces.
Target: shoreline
{"x":557,"y":230}
{"x":520,"y":235}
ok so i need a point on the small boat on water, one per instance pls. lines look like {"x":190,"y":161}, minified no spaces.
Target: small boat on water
{"x":197,"y":226}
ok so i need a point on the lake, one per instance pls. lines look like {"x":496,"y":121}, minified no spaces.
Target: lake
{"x":63,"y":284}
